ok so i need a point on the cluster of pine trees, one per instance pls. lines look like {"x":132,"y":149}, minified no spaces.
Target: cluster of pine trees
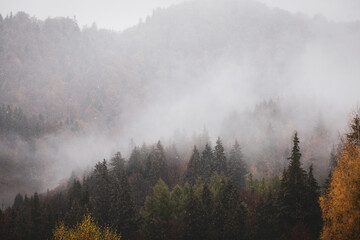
{"x":210,"y":199}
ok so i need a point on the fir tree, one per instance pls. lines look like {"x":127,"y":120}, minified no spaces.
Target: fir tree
{"x":236,"y":169}
{"x":194,"y":167}
{"x":313,"y":217}
{"x":122,"y":210}
{"x":134,"y":163}
{"x":101,"y":192}
{"x":207,"y":157}
{"x":293,"y":191}
{"x":219,"y":160}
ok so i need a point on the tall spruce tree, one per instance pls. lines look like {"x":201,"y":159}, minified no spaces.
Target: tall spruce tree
{"x":313,"y":217}
{"x":219,"y":161}
{"x":122,"y":210}
{"x":134,"y":163}
{"x":157,"y":213}
{"x":101,"y":192}
{"x":158,"y":164}
{"x":293,"y":190}
{"x":206,"y":160}
{"x":236,"y":167}
{"x":194,"y":168}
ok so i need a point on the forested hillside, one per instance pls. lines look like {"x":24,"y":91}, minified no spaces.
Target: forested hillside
{"x":212,"y":196}
{"x":204,"y":95}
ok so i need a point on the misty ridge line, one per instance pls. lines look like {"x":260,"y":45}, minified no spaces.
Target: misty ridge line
{"x":217,"y":61}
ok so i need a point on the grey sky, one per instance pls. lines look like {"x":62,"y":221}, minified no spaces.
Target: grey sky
{"x":120,"y":14}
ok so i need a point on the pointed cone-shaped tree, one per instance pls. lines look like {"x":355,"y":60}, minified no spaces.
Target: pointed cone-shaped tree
{"x":194,"y":167}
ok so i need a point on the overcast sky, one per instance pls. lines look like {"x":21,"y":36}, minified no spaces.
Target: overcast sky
{"x":120,"y":14}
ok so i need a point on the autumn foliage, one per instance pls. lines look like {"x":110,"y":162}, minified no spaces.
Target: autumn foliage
{"x":341,"y":204}
{"x":86,"y":230}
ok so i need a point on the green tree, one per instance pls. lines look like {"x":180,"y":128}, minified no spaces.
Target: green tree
{"x":293,"y":191}
{"x":194,"y":168}
{"x":207,"y":157}
{"x":122,"y":209}
{"x":100,"y":193}
{"x":236,"y":169}
{"x":313,"y":217}
{"x":219,"y":160}
{"x":157,"y":213}
{"x":158,"y":164}
{"x":134,"y":164}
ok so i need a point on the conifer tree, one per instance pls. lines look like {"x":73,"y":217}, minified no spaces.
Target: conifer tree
{"x":266,"y":217}
{"x":193,"y":170}
{"x":36,"y":219}
{"x":236,"y":169}
{"x":157,"y":213}
{"x":313,"y":217}
{"x":134,"y":163}
{"x":192,"y":222}
{"x":219,"y":160}
{"x":293,"y":191}
{"x":207,"y":157}
{"x":101,"y":192}
{"x":122,"y":210}
{"x":158,"y":164}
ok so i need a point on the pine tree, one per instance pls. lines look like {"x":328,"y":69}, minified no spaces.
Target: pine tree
{"x":206,"y":160}
{"x":36,"y":219}
{"x":157,"y":213}
{"x":122,"y":209}
{"x":219,"y":160}
{"x":206,"y":216}
{"x":266,"y":217}
{"x":158,"y":164}
{"x":236,"y":169}
{"x":18,"y":201}
{"x":134,"y":163}
{"x":100,"y":192}
{"x":192,"y":217}
{"x":313,"y":217}
{"x":194,"y":167}
{"x":293,"y":190}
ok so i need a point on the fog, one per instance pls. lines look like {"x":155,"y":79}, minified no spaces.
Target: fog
{"x":240,"y":69}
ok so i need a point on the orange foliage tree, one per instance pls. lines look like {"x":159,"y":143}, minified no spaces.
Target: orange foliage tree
{"x":341,"y":204}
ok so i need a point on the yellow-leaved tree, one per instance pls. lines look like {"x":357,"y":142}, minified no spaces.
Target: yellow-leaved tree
{"x":341,"y":204}
{"x":86,"y":230}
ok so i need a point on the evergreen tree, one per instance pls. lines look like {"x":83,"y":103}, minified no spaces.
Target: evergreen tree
{"x":100,"y":193}
{"x":236,"y":169}
{"x":122,"y":210}
{"x":219,"y":160}
{"x":293,"y":191}
{"x":157,"y":213}
{"x":158,"y":164}
{"x":313,"y":217}
{"x":193,"y":170}
{"x":207,"y":157}
{"x":36,"y":219}
{"x":266,"y":217}
{"x":18,"y":201}
{"x":192,"y":217}
{"x":134,"y":164}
